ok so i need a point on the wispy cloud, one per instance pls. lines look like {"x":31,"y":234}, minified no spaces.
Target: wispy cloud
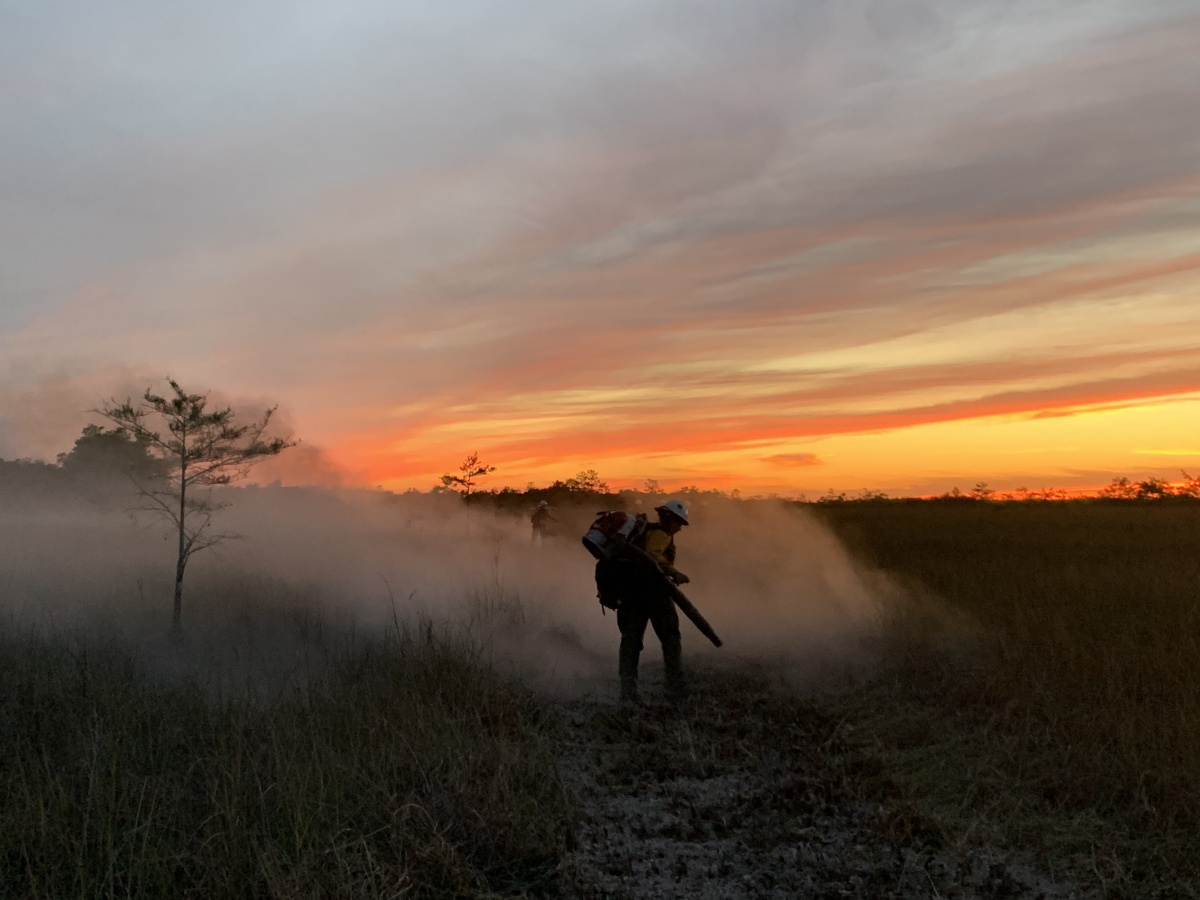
{"x":794,"y":459}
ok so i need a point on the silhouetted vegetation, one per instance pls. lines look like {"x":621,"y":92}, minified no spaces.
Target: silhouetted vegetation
{"x":193,"y":449}
{"x":104,"y":454}
{"x":97,"y":470}
{"x":470,"y":470}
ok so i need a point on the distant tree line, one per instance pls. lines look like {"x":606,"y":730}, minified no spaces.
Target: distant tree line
{"x":1119,"y":489}
{"x":102,"y":462}
{"x":97,"y":469}
{"x":587,"y":488}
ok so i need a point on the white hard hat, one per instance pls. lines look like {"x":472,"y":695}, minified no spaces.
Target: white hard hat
{"x":543,"y":503}
{"x":676,"y":508}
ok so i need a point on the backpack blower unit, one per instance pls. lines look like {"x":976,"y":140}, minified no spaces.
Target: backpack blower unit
{"x":612,"y":532}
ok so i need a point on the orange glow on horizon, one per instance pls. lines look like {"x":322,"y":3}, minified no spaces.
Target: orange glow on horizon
{"x":1080,"y":448}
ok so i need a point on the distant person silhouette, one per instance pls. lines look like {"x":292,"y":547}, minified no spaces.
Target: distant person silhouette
{"x":540,"y":520}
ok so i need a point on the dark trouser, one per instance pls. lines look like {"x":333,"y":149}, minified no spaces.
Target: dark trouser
{"x":632,"y":616}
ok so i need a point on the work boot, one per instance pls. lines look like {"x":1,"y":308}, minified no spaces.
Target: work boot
{"x":631,"y":698}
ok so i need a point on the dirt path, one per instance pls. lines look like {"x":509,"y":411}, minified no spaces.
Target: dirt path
{"x":746,"y":792}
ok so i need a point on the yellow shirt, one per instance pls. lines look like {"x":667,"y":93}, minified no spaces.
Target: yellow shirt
{"x":660,"y":546}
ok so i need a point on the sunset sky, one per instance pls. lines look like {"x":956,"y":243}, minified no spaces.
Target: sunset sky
{"x":779,"y":245}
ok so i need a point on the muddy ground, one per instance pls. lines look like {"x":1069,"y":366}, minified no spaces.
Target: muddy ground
{"x":747,"y":790}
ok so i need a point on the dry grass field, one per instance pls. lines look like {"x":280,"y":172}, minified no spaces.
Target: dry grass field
{"x":328,"y":765}
{"x":1043,"y":679}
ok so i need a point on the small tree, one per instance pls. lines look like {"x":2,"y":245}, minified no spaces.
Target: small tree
{"x":981,"y":491}
{"x":1190,"y":486}
{"x":200,"y":449}
{"x":1120,"y":489}
{"x":1154,"y":489}
{"x":587,"y":482}
{"x":469,"y":471}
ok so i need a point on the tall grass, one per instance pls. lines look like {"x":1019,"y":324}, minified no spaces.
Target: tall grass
{"x":1083,"y":634}
{"x":384,"y":765}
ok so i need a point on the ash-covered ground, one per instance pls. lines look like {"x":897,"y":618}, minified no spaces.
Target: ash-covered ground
{"x":746,"y":790}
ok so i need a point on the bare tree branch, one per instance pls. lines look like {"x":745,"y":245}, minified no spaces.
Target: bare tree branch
{"x":201,"y":448}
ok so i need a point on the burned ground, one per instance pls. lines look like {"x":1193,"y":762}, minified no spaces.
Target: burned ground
{"x":747,"y":790}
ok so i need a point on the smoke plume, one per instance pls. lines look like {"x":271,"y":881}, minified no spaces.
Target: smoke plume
{"x":775,"y":583}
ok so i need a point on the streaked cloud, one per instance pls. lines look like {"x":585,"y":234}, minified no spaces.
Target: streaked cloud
{"x":794,"y":459}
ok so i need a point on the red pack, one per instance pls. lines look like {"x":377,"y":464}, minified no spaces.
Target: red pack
{"x":611,"y":531}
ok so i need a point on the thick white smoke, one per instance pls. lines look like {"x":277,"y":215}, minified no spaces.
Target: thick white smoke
{"x":775,"y":584}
